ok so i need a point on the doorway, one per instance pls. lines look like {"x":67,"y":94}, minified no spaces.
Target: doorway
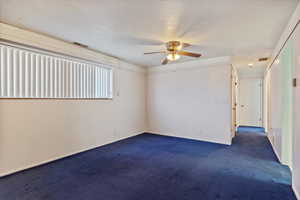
{"x":250,"y":102}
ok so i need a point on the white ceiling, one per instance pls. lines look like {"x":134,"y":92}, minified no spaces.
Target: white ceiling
{"x":256,"y":69}
{"x":128,"y":28}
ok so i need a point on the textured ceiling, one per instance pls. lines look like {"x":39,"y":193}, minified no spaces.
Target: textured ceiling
{"x":128,"y":28}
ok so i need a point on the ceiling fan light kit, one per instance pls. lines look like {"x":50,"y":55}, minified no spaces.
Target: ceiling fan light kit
{"x":174,"y":51}
{"x":173,"y":56}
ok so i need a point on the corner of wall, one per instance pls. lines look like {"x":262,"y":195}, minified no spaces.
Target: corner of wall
{"x":297,"y":193}
{"x":273,"y":147}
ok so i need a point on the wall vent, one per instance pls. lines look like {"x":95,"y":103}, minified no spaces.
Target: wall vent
{"x":82,"y":45}
{"x":263,"y":59}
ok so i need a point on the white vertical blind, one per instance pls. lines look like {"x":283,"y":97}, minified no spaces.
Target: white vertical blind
{"x":27,"y":73}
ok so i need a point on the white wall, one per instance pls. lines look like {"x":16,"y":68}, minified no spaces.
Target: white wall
{"x":275,"y":111}
{"x":275,"y":131}
{"x":37,"y":131}
{"x":296,"y":114}
{"x":191,"y":100}
{"x":281,"y":132}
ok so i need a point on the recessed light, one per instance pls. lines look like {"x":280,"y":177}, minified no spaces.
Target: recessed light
{"x":250,"y":64}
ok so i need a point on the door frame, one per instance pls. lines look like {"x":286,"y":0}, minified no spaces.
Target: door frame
{"x":234,"y":101}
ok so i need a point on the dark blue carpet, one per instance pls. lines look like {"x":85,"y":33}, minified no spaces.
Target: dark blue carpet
{"x":152,"y":167}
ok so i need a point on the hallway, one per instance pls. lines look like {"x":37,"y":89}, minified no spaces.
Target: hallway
{"x":158,"y":167}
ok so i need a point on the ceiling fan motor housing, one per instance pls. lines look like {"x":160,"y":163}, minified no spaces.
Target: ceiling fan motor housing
{"x":173,"y":45}
{"x":174,"y":51}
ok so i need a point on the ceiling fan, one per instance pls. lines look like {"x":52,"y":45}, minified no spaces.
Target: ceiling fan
{"x":174,"y":51}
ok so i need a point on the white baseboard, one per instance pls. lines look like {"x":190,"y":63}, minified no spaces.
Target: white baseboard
{"x":293,"y":185}
{"x":296,"y":192}
{"x":62,"y":156}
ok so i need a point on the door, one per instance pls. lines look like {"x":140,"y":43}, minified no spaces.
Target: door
{"x":250,"y":102}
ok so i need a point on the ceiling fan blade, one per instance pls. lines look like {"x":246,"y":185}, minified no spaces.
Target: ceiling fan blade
{"x":185,"y":53}
{"x":165,"y":61}
{"x":154,"y":52}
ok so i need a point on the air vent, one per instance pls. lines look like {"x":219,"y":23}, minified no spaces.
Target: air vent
{"x":263,"y":59}
{"x":79,"y":44}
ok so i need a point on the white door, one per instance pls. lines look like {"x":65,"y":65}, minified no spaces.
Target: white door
{"x":250,"y":102}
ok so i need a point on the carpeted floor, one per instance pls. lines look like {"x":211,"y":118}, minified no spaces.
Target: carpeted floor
{"x":250,"y":129}
{"x":152,"y":167}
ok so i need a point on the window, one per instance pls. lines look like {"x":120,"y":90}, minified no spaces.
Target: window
{"x":30,"y":73}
